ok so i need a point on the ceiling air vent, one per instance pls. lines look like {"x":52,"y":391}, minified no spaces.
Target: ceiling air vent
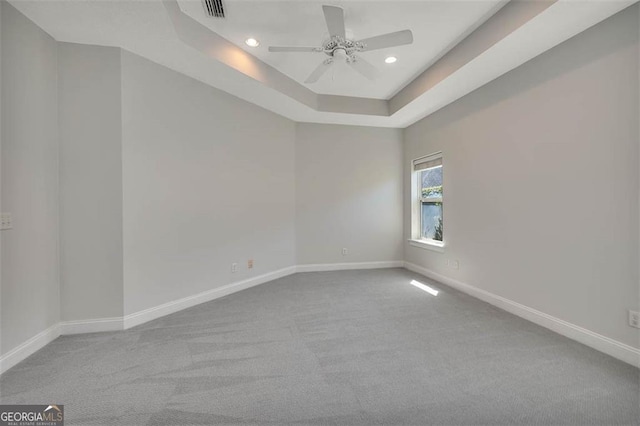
{"x":213,"y":8}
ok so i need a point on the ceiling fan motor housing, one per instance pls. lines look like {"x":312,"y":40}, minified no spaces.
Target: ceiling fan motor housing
{"x":338,"y":43}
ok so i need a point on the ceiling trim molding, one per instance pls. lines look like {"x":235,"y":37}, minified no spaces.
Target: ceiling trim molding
{"x":353,"y":105}
{"x":513,"y":15}
{"x":507,"y":19}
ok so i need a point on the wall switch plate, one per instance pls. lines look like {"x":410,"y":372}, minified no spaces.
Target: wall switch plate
{"x":345,"y":251}
{"x":634,"y":318}
{"x":250,"y":264}
{"x":6,"y":221}
{"x":234,"y":267}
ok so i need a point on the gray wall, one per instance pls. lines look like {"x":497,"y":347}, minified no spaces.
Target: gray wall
{"x":541,"y":181}
{"x":208,"y":180}
{"x":30,"y":283}
{"x":90,"y":182}
{"x":348,"y":194}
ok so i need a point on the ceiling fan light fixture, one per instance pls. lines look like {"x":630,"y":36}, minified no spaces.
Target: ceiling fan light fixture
{"x":252,"y":42}
{"x":341,"y":49}
{"x":340,"y":53}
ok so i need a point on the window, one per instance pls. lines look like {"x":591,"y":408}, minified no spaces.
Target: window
{"x":427,"y":221}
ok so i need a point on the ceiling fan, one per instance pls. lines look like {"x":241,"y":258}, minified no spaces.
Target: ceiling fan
{"x":338,"y":47}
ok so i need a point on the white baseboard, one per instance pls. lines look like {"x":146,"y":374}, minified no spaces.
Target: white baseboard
{"x":596,"y":341}
{"x":320,"y":267}
{"x":91,"y":326}
{"x":146,"y":315}
{"x":29,"y":347}
{"x":122,"y":323}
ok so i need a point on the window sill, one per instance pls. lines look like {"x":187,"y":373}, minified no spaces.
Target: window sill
{"x":428,"y":245}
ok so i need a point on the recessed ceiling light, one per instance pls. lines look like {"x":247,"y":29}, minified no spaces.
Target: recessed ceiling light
{"x":391,"y":59}
{"x":252,"y":42}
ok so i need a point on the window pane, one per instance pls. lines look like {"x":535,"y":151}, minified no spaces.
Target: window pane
{"x":431,"y":182}
{"x":431,"y":220}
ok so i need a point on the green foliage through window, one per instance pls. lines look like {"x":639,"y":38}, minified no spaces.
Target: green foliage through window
{"x":438,"y":234}
{"x":432,"y":191}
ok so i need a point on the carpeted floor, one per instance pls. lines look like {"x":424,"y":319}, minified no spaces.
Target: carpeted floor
{"x":349,"y":347}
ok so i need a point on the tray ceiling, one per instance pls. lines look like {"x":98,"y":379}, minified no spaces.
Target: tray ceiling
{"x":459,"y":46}
{"x":436,"y":27}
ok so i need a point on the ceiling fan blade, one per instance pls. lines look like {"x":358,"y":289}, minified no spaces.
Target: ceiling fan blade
{"x":294,"y":49}
{"x":335,"y":20}
{"x":364,"y":67}
{"x":387,"y":40}
{"x":319,"y":71}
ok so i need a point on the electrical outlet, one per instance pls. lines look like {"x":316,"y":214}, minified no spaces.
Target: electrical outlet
{"x":453,"y":264}
{"x":250,"y":264}
{"x":345,"y":251}
{"x":6,"y":221}
{"x":234,"y":267}
{"x":634,"y":318}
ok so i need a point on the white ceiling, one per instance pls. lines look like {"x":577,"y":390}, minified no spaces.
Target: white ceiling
{"x":146,"y":28}
{"x":436,"y":26}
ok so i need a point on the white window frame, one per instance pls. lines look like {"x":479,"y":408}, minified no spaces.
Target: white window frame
{"x":416,"y":239}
